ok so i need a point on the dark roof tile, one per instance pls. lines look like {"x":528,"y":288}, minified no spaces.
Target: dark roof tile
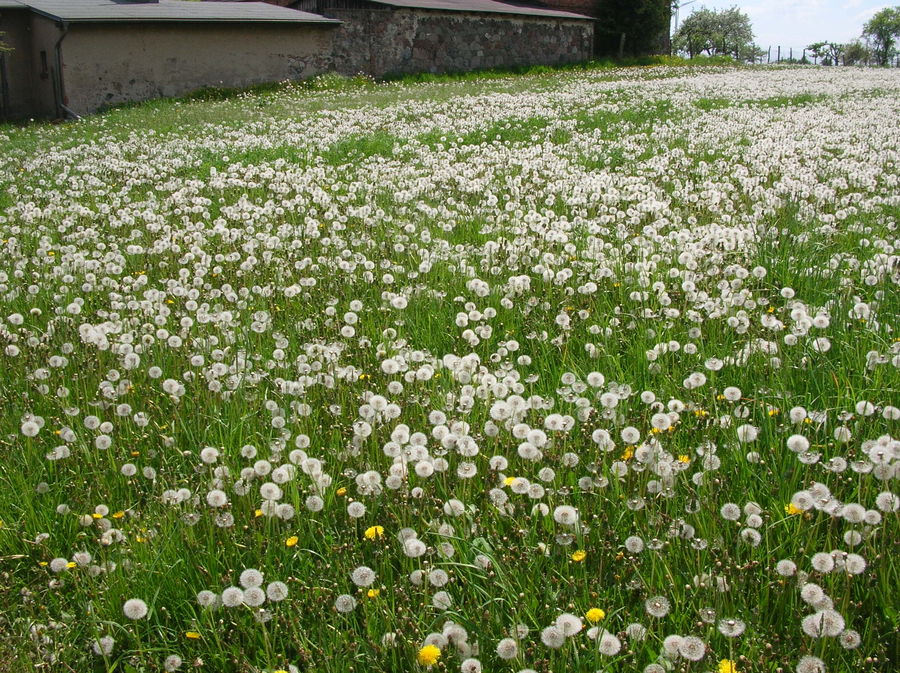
{"x":483,"y":6}
{"x":170,"y":10}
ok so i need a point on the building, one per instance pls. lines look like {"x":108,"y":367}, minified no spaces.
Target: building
{"x":73,"y":57}
{"x":390,"y":37}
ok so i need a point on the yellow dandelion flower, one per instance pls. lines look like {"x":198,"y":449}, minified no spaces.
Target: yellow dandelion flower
{"x":373,"y":593}
{"x":429,"y":655}
{"x":97,"y":515}
{"x":192,"y":635}
{"x":374,"y":532}
{"x":342,"y":490}
{"x":579,"y":555}
{"x":628,"y":453}
{"x":728,"y":666}
{"x":71,"y":564}
{"x":258,"y":513}
{"x":791,"y":510}
{"x":684,"y":459}
{"x":595,"y":615}
{"x":118,"y":515}
{"x":291,"y":541}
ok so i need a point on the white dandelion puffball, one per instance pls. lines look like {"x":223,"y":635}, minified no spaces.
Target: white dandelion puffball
{"x":810,"y":664}
{"x":363,"y":576}
{"x":254,"y":597}
{"x":569,"y":624}
{"x":277,"y":591}
{"x":135,"y":608}
{"x":747,"y":433}
{"x":344,"y":603}
{"x":657,"y":606}
{"x":552,"y":637}
{"x":609,"y":644}
{"x":565,"y":515}
{"x":251,"y":578}
{"x":507,"y":649}
{"x":232,"y":597}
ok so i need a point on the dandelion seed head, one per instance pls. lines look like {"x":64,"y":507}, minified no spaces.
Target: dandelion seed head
{"x":657,"y":606}
{"x":135,"y":608}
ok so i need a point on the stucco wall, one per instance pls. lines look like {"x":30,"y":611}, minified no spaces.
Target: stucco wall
{"x":386,"y":41}
{"x":109,"y":64}
{"x":14,"y":23}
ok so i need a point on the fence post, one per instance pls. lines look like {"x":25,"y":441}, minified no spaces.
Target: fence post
{"x":769,"y":55}
{"x":779,"y":53}
{"x":621,"y":45}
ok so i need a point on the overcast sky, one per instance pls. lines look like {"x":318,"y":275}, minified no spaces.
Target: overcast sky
{"x":797,"y":23}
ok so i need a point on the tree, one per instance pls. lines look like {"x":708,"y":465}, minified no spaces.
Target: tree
{"x":829,"y":52}
{"x":645,"y":24}
{"x":883,"y":30}
{"x":856,"y":53}
{"x":716,"y":32}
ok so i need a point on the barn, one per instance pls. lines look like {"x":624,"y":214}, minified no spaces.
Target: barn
{"x":73,"y":57}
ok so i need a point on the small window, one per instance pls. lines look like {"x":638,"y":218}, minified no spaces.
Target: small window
{"x":45,"y":69}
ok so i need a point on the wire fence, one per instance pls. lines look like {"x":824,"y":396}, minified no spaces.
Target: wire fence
{"x":778,"y":54}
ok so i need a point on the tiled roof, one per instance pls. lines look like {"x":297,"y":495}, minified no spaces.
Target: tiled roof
{"x":482,"y":6}
{"x":170,"y":11}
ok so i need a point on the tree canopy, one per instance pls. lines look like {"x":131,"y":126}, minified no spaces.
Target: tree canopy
{"x":829,"y":52}
{"x":856,"y":53}
{"x":716,"y":32}
{"x":645,"y":24}
{"x":883,"y":31}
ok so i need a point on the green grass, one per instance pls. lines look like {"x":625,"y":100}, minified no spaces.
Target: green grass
{"x":546,"y":225}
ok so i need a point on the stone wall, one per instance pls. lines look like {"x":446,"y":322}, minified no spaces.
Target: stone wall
{"x":381,"y":42}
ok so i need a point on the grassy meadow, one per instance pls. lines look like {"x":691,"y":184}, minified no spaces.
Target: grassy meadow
{"x":572,"y":371}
